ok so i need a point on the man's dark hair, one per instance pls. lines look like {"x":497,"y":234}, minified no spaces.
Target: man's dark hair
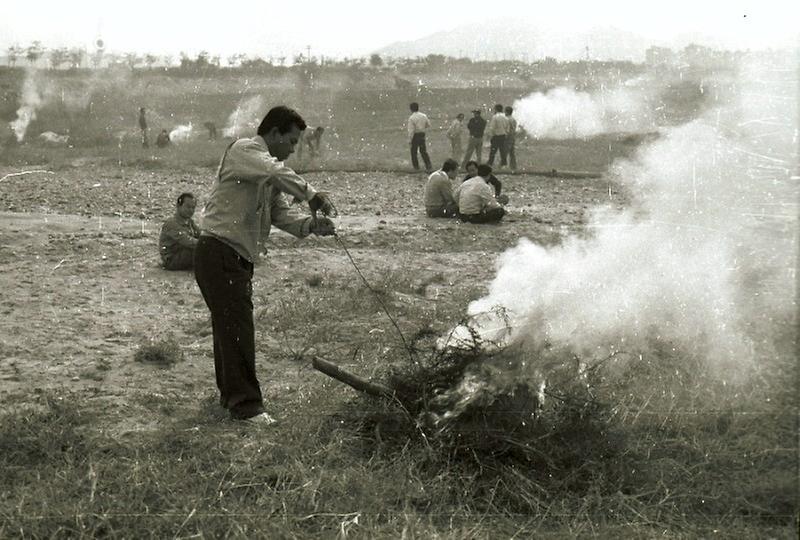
{"x":183,"y":196}
{"x":509,"y":110}
{"x":414,"y":106}
{"x":470,"y":162}
{"x":283,"y":118}
{"x":450,"y":165}
{"x":484,"y":170}
{"x":498,"y":108}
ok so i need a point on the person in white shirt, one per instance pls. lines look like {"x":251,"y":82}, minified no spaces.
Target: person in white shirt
{"x":439,"y":201}
{"x":497,"y":131}
{"x":454,"y":136}
{"x":511,"y":139}
{"x":418,"y":124}
{"x":476,"y":200}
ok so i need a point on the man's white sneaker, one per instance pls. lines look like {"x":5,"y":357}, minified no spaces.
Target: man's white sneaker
{"x":261,"y":419}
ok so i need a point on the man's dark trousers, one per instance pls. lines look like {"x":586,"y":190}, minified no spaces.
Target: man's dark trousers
{"x":182,"y":259}
{"x":492,"y":215}
{"x":498,"y":142}
{"x":225,"y":280}
{"x":418,"y":142}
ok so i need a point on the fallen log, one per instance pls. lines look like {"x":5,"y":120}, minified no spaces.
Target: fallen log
{"x":362,"y":385}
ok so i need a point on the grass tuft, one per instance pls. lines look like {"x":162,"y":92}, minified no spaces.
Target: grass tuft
{"x":160,"y":351}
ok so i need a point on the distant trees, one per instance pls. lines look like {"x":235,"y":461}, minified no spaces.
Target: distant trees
{"x":375,"y":60}
{"x":58,"y":56}
{"x":150,"y":60}
{"x":14,"y":52}
{"x":76,"y":57}
{"x":132,"y":60}
{"x":34,"y":52}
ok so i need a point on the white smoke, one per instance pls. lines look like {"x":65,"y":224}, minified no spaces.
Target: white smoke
{"x":706,"y":253}
{"x":563,"y":113}
{"x":30,"y":102}
{"x":245,"y":117}
{"x":181,"y":133}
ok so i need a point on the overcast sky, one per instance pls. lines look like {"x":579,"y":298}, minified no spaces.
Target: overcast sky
{"x":357,"y":27}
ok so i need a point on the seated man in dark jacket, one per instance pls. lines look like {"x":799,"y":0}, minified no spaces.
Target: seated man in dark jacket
{"x":179,"y":236}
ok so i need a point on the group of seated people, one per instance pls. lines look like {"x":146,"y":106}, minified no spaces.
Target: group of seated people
{"x":478,"y":199}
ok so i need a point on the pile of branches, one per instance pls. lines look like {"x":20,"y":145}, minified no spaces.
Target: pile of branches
{"x":485,"y":402}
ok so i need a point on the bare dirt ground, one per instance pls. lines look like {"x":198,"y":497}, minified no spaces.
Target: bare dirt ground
{"x":83,"y":289}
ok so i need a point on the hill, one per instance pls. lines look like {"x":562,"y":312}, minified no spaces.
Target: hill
{"x":522,"y":40}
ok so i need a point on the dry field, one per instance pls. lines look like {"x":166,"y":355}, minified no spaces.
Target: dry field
{"x":110,"y":426}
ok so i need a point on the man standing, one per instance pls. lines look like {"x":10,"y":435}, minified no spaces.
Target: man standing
{"x":143,"y":127}
{"x":246,"y":198}
{"x":511,"y":138}
{"x":418,"y":124}
{"x":476,"y":200}
{"x":439,"y":201}
{"x":498,"y":129}
{"x":454,"y":135}
{"x":179,"y":235}
{"x":476,"y":126}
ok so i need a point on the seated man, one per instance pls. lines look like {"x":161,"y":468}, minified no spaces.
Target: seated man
{"x":163,"y":139}
{"x":179,"y":236}
{"x":439,"y":201}
{"x":476,"y":201}
{"x":472,"y":171}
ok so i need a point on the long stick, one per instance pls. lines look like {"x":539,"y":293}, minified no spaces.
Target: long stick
{"x":362,"y":385}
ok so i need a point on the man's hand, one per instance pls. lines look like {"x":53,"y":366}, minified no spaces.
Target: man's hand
{"x":322,"y":227}
{"x":321,"y":201}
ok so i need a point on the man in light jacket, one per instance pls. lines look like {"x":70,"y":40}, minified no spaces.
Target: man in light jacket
{"x":247,"y":197}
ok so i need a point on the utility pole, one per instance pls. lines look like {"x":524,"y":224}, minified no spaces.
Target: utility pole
{"x":308,"y":50}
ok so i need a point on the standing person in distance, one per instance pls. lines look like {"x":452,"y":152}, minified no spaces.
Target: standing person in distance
{"x":417,"y":125}
{"x":143,"y":127}
{"x":247,"y":197}
{"x":476,"y":126}
{"x":497,"y":131}
{"x":454,"y":136}
{"x":511,"y":139}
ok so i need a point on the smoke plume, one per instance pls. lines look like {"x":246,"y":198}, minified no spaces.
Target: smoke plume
{"x":703,"y":261}
{"x":30,"y":101}
{"x":181,"y":133}
{"x":563,"y":113}
{"x":245,"y":117}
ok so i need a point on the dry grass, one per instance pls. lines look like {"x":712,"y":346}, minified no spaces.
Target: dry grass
{"x":658,"y":447}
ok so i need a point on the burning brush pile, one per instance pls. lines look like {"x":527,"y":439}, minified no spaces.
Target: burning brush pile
{"x":478,"y":400}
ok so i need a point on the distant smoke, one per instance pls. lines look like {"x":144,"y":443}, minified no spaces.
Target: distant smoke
{"x":245,"y":117}
{"x":563,"y":113}
{"x":704,"y":257}
{"x":181,"y":133}
{"x":30,"y":102}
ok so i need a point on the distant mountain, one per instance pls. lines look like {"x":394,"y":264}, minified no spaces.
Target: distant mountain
{"x":519,"y":40}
